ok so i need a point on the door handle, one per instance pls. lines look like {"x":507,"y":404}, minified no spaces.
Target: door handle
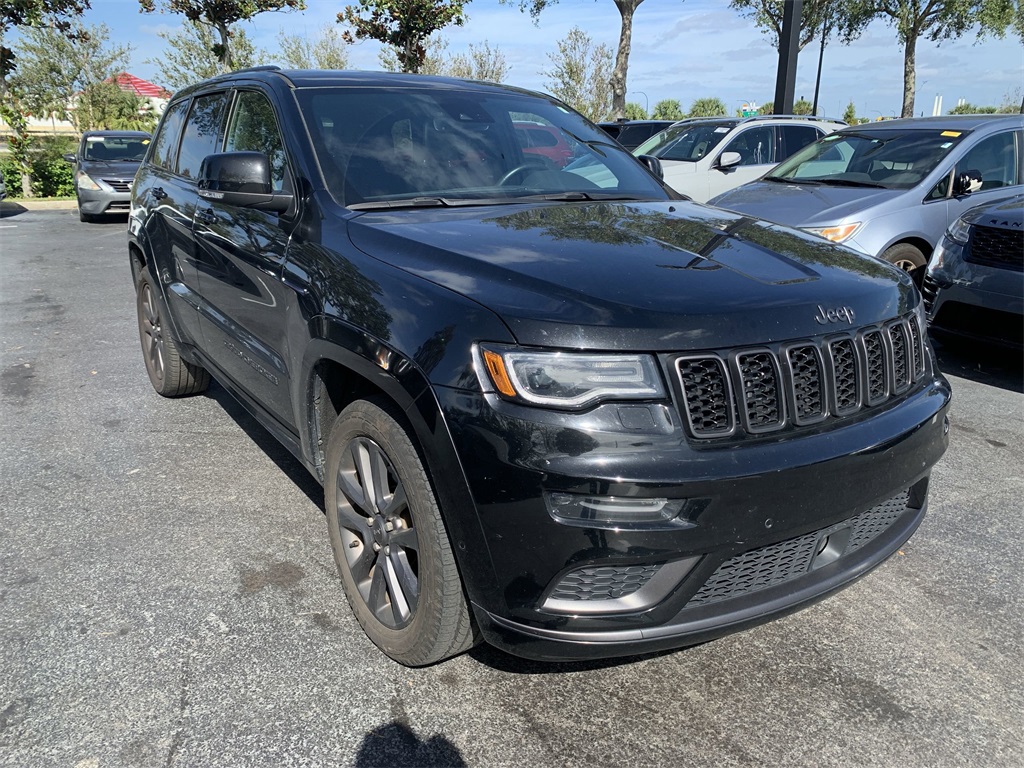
{"x":206,"y":216}
{"x":158,"y":193}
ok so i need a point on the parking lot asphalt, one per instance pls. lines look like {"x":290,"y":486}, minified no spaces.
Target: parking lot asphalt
{"x":168,"y":595}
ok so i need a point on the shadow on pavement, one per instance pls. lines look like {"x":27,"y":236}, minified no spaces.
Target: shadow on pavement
{"x":395,"y":745}
{"x":8,"y":209}
{"x":268,"y":444}
{"x":990,"y":364}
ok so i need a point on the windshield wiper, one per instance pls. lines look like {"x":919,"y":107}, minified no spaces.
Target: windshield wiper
{"x":850,"y":183}
{"x":429,"y":202}
{"x":785,"y":180}
{"x":580,"y":195}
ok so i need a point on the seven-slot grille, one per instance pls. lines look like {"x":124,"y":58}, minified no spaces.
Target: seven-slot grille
{"x":997,"y":247}
{"x":120,"y":185}
{"x":764,"y":389}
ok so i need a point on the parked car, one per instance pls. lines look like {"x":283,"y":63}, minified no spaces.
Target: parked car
{"x":3,"y":189}
{"x":702,"y":158}
{"x":632,"y":133}
{"x":890,"y":189}
{"x":544,"y":141}
{"x":105,"y":166}
{"x":974,"y":287}
{"x":572,"y":421}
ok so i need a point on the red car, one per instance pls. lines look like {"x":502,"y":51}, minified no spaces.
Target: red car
{"x":544,"y":140}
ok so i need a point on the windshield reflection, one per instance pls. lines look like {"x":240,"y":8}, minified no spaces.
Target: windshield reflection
{"x":434,"y":146}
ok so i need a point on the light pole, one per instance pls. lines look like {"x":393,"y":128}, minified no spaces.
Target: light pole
{"x":647,"y":103}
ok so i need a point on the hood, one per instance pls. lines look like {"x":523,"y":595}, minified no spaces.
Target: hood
{"x":110,"y":169}
{"x":649,"y":276}
{"x":803,"y":205}
{"x":1007,"y":213}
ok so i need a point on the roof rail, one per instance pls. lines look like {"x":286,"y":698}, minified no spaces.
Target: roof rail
{"x":822,"y":118}
{"x":260,"y":68}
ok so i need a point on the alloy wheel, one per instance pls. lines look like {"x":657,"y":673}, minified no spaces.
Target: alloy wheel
{"x":380,"y":541}
{"x":152,"y":332}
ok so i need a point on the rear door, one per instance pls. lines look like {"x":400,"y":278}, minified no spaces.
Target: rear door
{"x":241,"y":253}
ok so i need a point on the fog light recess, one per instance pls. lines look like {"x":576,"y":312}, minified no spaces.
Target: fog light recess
{"x":613,"y":511}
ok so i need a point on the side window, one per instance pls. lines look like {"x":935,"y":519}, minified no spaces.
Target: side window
{"x":165,"y":147}
{"x":995,"y":158}
{"x":254,"y":129}
{"x":796,"y":137}
{"x":755,"y":145}
{"x":204,"y":131}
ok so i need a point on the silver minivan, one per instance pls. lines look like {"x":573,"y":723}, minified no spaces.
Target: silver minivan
{"x":890,"y":189}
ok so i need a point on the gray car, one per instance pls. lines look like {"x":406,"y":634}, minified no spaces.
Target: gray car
{"x":974,"y":287}
{"x":105,"y":166}
{"x":890,"y":189}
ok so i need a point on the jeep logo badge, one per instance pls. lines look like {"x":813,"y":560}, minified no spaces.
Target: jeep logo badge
{"x":834,"y":315}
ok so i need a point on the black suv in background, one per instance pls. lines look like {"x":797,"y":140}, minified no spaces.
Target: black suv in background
{"x":573,"y":419}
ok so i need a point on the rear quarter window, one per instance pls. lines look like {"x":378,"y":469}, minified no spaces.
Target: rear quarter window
{"x":165,"y":146}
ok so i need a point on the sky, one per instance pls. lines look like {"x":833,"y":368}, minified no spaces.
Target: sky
{"x":682,"y":49}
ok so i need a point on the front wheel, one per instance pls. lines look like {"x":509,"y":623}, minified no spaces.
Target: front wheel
{"x":908,"y":258}
{"x":390,"y":543}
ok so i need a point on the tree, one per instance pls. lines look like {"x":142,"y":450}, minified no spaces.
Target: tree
{"x":405,"y":25}
{"x":933,"y":20}
{"x":56,"y":69}
{"x":189,"y":56}
{"x":481,"y":63}
{"x":970,"y":109}
{"x":634,"y":111}
{"x":579,"y":74}
{"x":668,"y":109}
{"x":617,"y":79}
{"x":707,"y":107}
{"x":434,"y":57}
{"x":327,"y":51}
{"x":56,"y":14}
{"x":802,"y":107}
{"x":219,"y":16}
{"x":106,"y":106}
{"x":850,"y":114}
{"x":767,"y":16}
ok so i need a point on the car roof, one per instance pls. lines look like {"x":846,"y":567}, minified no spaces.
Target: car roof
{"x":112,"y":134}
{"x":318,"y":78}
{"x":942,"y":122}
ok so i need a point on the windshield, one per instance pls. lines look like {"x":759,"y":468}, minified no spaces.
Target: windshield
{"x":390,"y":147}
{"x":895,"y":159}
{"x":689,"y":141}
{"x":115,"y":148}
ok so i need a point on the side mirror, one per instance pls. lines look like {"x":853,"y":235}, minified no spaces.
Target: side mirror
{"x":653,"y":165}
{"x":729,"y":159}
{"x":967,"y":182}
{"x":241,"y":179}
{"x":70,"y":157}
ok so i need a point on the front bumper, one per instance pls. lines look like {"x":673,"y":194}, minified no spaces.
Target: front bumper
{"x":99,"y":202}
{"x":744,"y":501}
{"x":973,"y":300}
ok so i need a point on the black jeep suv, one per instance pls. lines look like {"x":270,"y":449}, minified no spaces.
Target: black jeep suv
{"x":573,"y":419}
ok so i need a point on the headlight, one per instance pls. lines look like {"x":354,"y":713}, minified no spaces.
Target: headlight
{"x":84,"y":181}
{"x":837,"y":234}
{"x":959,"y":232}
{"x":568,"y":379}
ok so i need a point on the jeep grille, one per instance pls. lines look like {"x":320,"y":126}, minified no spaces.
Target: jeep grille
{"x":797,"y":384}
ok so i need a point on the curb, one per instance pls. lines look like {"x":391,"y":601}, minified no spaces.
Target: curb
{"x":39,"y":205}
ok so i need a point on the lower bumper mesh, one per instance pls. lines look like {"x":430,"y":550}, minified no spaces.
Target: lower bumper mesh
{"x":784,"y":561}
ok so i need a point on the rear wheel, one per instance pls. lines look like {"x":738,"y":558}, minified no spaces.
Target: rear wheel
{"x":170,"y":375}
{"x":390,"y":544}
{"x":908,"y":258}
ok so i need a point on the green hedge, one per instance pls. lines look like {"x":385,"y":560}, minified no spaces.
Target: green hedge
{"x":52,"y":176}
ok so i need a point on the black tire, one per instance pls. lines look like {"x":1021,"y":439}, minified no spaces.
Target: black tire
{"x":82,"y":216}
{"x":170,"y":375}
{"x":390,"y":545}
{"x":908,"y":258}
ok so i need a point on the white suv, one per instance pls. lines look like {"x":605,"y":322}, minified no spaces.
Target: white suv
{"x":704,"y":157}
